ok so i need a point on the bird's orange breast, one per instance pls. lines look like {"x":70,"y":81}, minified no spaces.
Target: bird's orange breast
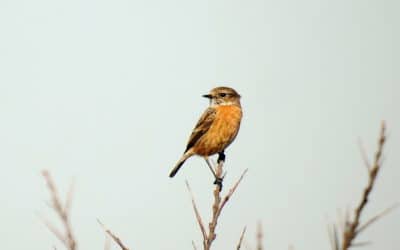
{"x":222,"y":131}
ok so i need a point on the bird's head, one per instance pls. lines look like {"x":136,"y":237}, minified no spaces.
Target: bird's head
{"x":223,"y":96}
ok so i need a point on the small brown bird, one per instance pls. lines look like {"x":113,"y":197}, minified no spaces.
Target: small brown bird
{"x":216,"y":128}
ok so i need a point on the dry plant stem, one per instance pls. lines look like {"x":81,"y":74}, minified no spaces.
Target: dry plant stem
{"x":333,"y":237}
{"x":198,"y":217}
{"x":113,"y":236}
{"x":62,"y":211}
{"x":364,"y":154}
{"x":107,"y":245}
{"x":239,"y":245}
{"x":68,"y":201}
{"x":217,"y":207}
{"x":352,"y":227}
{"x":54,"y":230}
{"x":259,"y":236}
{"x":194,"y":245}
{"x":375,"y":218}
{"x":219,"y":204}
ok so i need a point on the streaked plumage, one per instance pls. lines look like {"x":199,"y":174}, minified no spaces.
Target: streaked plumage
{"x":216,"y":128}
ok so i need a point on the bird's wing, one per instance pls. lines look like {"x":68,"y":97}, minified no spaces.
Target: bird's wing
{"x":201,"y":127}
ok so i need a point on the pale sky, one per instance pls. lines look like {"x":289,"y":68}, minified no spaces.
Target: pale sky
{"x":107,"y":93}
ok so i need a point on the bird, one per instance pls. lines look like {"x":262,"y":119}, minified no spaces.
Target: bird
{"x":216,"y":129}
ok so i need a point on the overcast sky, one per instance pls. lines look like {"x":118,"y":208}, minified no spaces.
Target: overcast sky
{"x":107,"y":93}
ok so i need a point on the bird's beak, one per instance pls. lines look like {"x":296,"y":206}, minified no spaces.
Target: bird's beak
{"x":208,"y":96}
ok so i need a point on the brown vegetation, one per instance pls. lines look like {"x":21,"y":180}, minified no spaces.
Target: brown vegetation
{"x":350,"y":229}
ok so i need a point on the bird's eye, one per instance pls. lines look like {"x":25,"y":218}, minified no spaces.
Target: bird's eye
{"x":222,"y":94}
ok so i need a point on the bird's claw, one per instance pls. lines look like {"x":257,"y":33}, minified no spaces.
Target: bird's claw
{"x":218,"y":182}
{"x":221,"y":157}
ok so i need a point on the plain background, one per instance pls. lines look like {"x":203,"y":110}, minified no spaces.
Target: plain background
{"x":107,"y":93}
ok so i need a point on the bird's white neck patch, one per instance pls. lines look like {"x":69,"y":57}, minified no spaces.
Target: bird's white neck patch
{"x":226,"y":103}
{"x":213,"y":104}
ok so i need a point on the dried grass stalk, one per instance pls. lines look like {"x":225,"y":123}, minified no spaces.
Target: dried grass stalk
{"x":113,"y":236}
{"x":66,"y":237}
{"x":352,"y":228}
{"x":217,"y":206}
{"x":239,"y":245}
{"x":260,"y":236}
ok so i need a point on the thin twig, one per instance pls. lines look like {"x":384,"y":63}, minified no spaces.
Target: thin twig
{"x":333,"y":237}
{"x":107,"y":245}
{"x":70,"y":195}
{"x":376,"y":217}
{"x":113,"y":236}
{"x":259,"y":236}
{"x":54,"y":230}
{"x":194,"y":245}
{"x":218,"y":205}
{"x":231,"y":191}
{"x":62,"y":211}
{"x":352,"y":227}
{"x":364,"y":155}
{"x":239,"y":245}
{"x":215,"y":208}
{"x":342,"y":219}
{"x":361,"y":244}
{"x":198,"y":217}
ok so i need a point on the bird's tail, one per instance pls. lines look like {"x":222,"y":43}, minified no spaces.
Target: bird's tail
{"x":179,"y":165}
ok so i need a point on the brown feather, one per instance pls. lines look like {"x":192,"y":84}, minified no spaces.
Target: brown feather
{"x":202,"y":126}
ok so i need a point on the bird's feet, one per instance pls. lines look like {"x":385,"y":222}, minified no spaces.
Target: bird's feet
{"x":218,"y":182}
{"x":221,"y":157}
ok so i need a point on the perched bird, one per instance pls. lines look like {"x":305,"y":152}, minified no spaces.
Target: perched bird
{"x":216,"y":128}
